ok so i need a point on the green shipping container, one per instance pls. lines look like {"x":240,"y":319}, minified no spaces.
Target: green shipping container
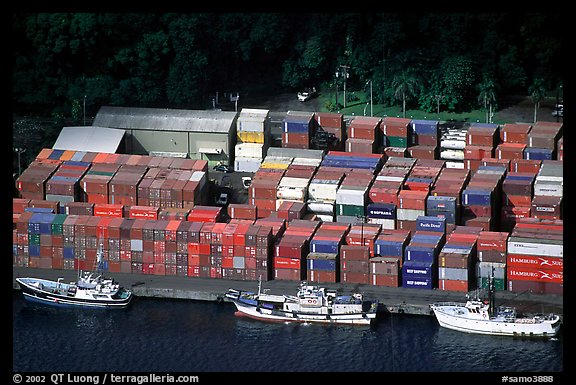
{"x":499,"y":284}
{"x":58,"y":224}
{"x":396,"y":141}
{"x":349,"y":210}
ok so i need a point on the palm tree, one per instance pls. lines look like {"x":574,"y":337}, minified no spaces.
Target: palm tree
{"x":405,"y":85}
{"x":537,"y":92}
{"x":487,"y":96}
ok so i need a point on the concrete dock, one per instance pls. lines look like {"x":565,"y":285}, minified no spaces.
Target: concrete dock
{"x":397,"y":300}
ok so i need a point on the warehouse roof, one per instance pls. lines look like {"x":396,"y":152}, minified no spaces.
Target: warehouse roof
{"x":89,"y":138}
{"x":165,"y":119}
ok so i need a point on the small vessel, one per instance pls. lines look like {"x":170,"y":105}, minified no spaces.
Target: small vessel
{"x":90,"y":290}
{"x":311,"y":304}
{"x":483,"y":317}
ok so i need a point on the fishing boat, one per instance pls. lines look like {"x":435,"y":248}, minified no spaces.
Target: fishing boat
{"x":483,"y":317}
{"x":311,"y":304}
{"x":92,"y":290}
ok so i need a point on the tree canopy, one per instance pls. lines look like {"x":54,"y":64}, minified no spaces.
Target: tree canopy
{"x":182,"y":60}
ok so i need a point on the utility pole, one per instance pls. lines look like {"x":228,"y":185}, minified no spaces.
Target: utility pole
{"x":345,"y":75}
{"x":84,"y":109}
{"x":19,"y":150}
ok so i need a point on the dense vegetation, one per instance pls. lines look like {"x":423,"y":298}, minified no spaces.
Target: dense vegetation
{"x":456,"y":61}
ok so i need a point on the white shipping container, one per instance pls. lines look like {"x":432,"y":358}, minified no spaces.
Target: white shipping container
{"x":453,"y":273}
{"x":136,"y":245}
{"x":323,"y":190}
{"x":291,"y":193}
{"x":289,"y":181}
{"x":452,"y":154}
{"x":388,"y":224}
{"x":321,"y":207}
{"x":408,"y":214}
{"x":247,"y":164}
{"x":484,"y":270}
{"x":535,"y":248}
{"x":238,"y":262}
{"x":453,"y":144}
{"x":278,"y":159}
{"x":346,"y":196}
{"x":325,"y":217}
{"x":307,"y":162}
{"x":548,"y":189}
{"x":250,"y":150}
{"x":454,"y":164}
{"x":390,"y":178}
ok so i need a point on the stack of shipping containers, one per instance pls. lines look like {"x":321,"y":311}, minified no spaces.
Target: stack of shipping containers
{"x":330,"y":131}
{"x":323,"y":261}
{"x":481,"y":140}
{"x":253,"y":139}
{"x":363,"y":134}
{"x":297,"y":129}
{"x":386,"y":265}
{"x":425,"y":139}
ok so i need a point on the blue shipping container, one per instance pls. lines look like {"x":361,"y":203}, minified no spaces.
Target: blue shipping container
{"x":389,"y":248}
{"x":45,"y":210}
{"x":533,"y":153}
{"x":77,"y":163}
{"x":34,"y":250}
{"x":323,"y":246}
{"x":417,"y":283}
{"x":55,"y":154}
{"x":381,"y":210}
{"x":419,"y":269}
{"x":430,"y":223}
{"x":69,"y":252}
{"x":321,"y":264}
{"x":450,"y":217}
{"x":477,"y":197}
{"x":420,"y":253}
{"x":441,"y":203}
{"x":427,"y":127}
{"x":427,"y":238}
{"x":296,"y":127}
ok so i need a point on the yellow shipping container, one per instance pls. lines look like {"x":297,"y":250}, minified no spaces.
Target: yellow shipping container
{"x":278,"y":166}
{"x":250,"y":137}
{"x":67,"y":155}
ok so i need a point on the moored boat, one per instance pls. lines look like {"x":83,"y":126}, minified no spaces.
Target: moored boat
{"x":483,"y":317}
{"x":310,"y":304}
{"x":91,"y":290}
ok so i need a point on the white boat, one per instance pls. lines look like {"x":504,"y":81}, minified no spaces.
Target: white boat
{"x":483,"y":317}
{"x":90,"y":290}
{"x":310,"y":304}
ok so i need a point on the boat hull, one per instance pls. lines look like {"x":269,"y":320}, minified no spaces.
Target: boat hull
{"x":495,"y":327}
{"x":264,"y":314}
{"x":36,"y":295}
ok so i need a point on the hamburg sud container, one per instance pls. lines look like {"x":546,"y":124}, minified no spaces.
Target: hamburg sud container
{"x":535,"y":256}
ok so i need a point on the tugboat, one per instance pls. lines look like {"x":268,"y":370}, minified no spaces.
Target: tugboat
{"x":483,"y":317}
{"x":311,"y":304}
{"x":90,"y":290}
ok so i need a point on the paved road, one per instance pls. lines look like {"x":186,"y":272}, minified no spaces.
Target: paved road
{"x":395,"y":300}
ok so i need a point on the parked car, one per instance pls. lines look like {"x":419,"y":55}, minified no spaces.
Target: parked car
{"x":222,"y":168}
{"x":558,"y":110}
{"x":222,"y":199}
{"x":307,"y":94}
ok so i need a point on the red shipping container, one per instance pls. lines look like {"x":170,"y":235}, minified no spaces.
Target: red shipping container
{"x":321,"y":276}
{"x":535,"y":262}
{"x":144,"y":212}
{"x":416,"y":200}
{"x":385,"y":280}
{"x":453,"y":285}
{"x":515,"y":132}
{"x":354,"y":252}
{"x":286,"y":263}
{"x":288,"y":274}
{"x":531,"y":274}
{"x":347,"y":277}
{"x":109,"y":209}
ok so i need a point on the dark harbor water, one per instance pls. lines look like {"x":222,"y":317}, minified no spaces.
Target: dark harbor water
{"x":163,"y":336}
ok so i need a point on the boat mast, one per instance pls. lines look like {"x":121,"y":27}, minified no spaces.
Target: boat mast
{"x":491,"y":294}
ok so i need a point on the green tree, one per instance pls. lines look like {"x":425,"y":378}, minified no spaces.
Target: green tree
{"x":537,"y":92}
{"x":487,"y":96}
{"x":405,"y":85}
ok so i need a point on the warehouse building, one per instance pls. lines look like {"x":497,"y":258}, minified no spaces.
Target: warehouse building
{"x":194,"y":134}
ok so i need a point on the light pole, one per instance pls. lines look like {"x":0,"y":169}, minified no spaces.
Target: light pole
{"x":345,"y":75}
{"x":84,"y":109}
{"x":371,"y":103}
{"x":438,"y":98}
{"x":19,"y":150}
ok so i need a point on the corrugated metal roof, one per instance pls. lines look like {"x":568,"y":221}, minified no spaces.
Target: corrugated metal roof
{"x":165,"y":119}
{"x":89,"y":138}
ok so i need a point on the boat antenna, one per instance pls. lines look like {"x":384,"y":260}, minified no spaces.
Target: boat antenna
{"x":259,"y":284}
